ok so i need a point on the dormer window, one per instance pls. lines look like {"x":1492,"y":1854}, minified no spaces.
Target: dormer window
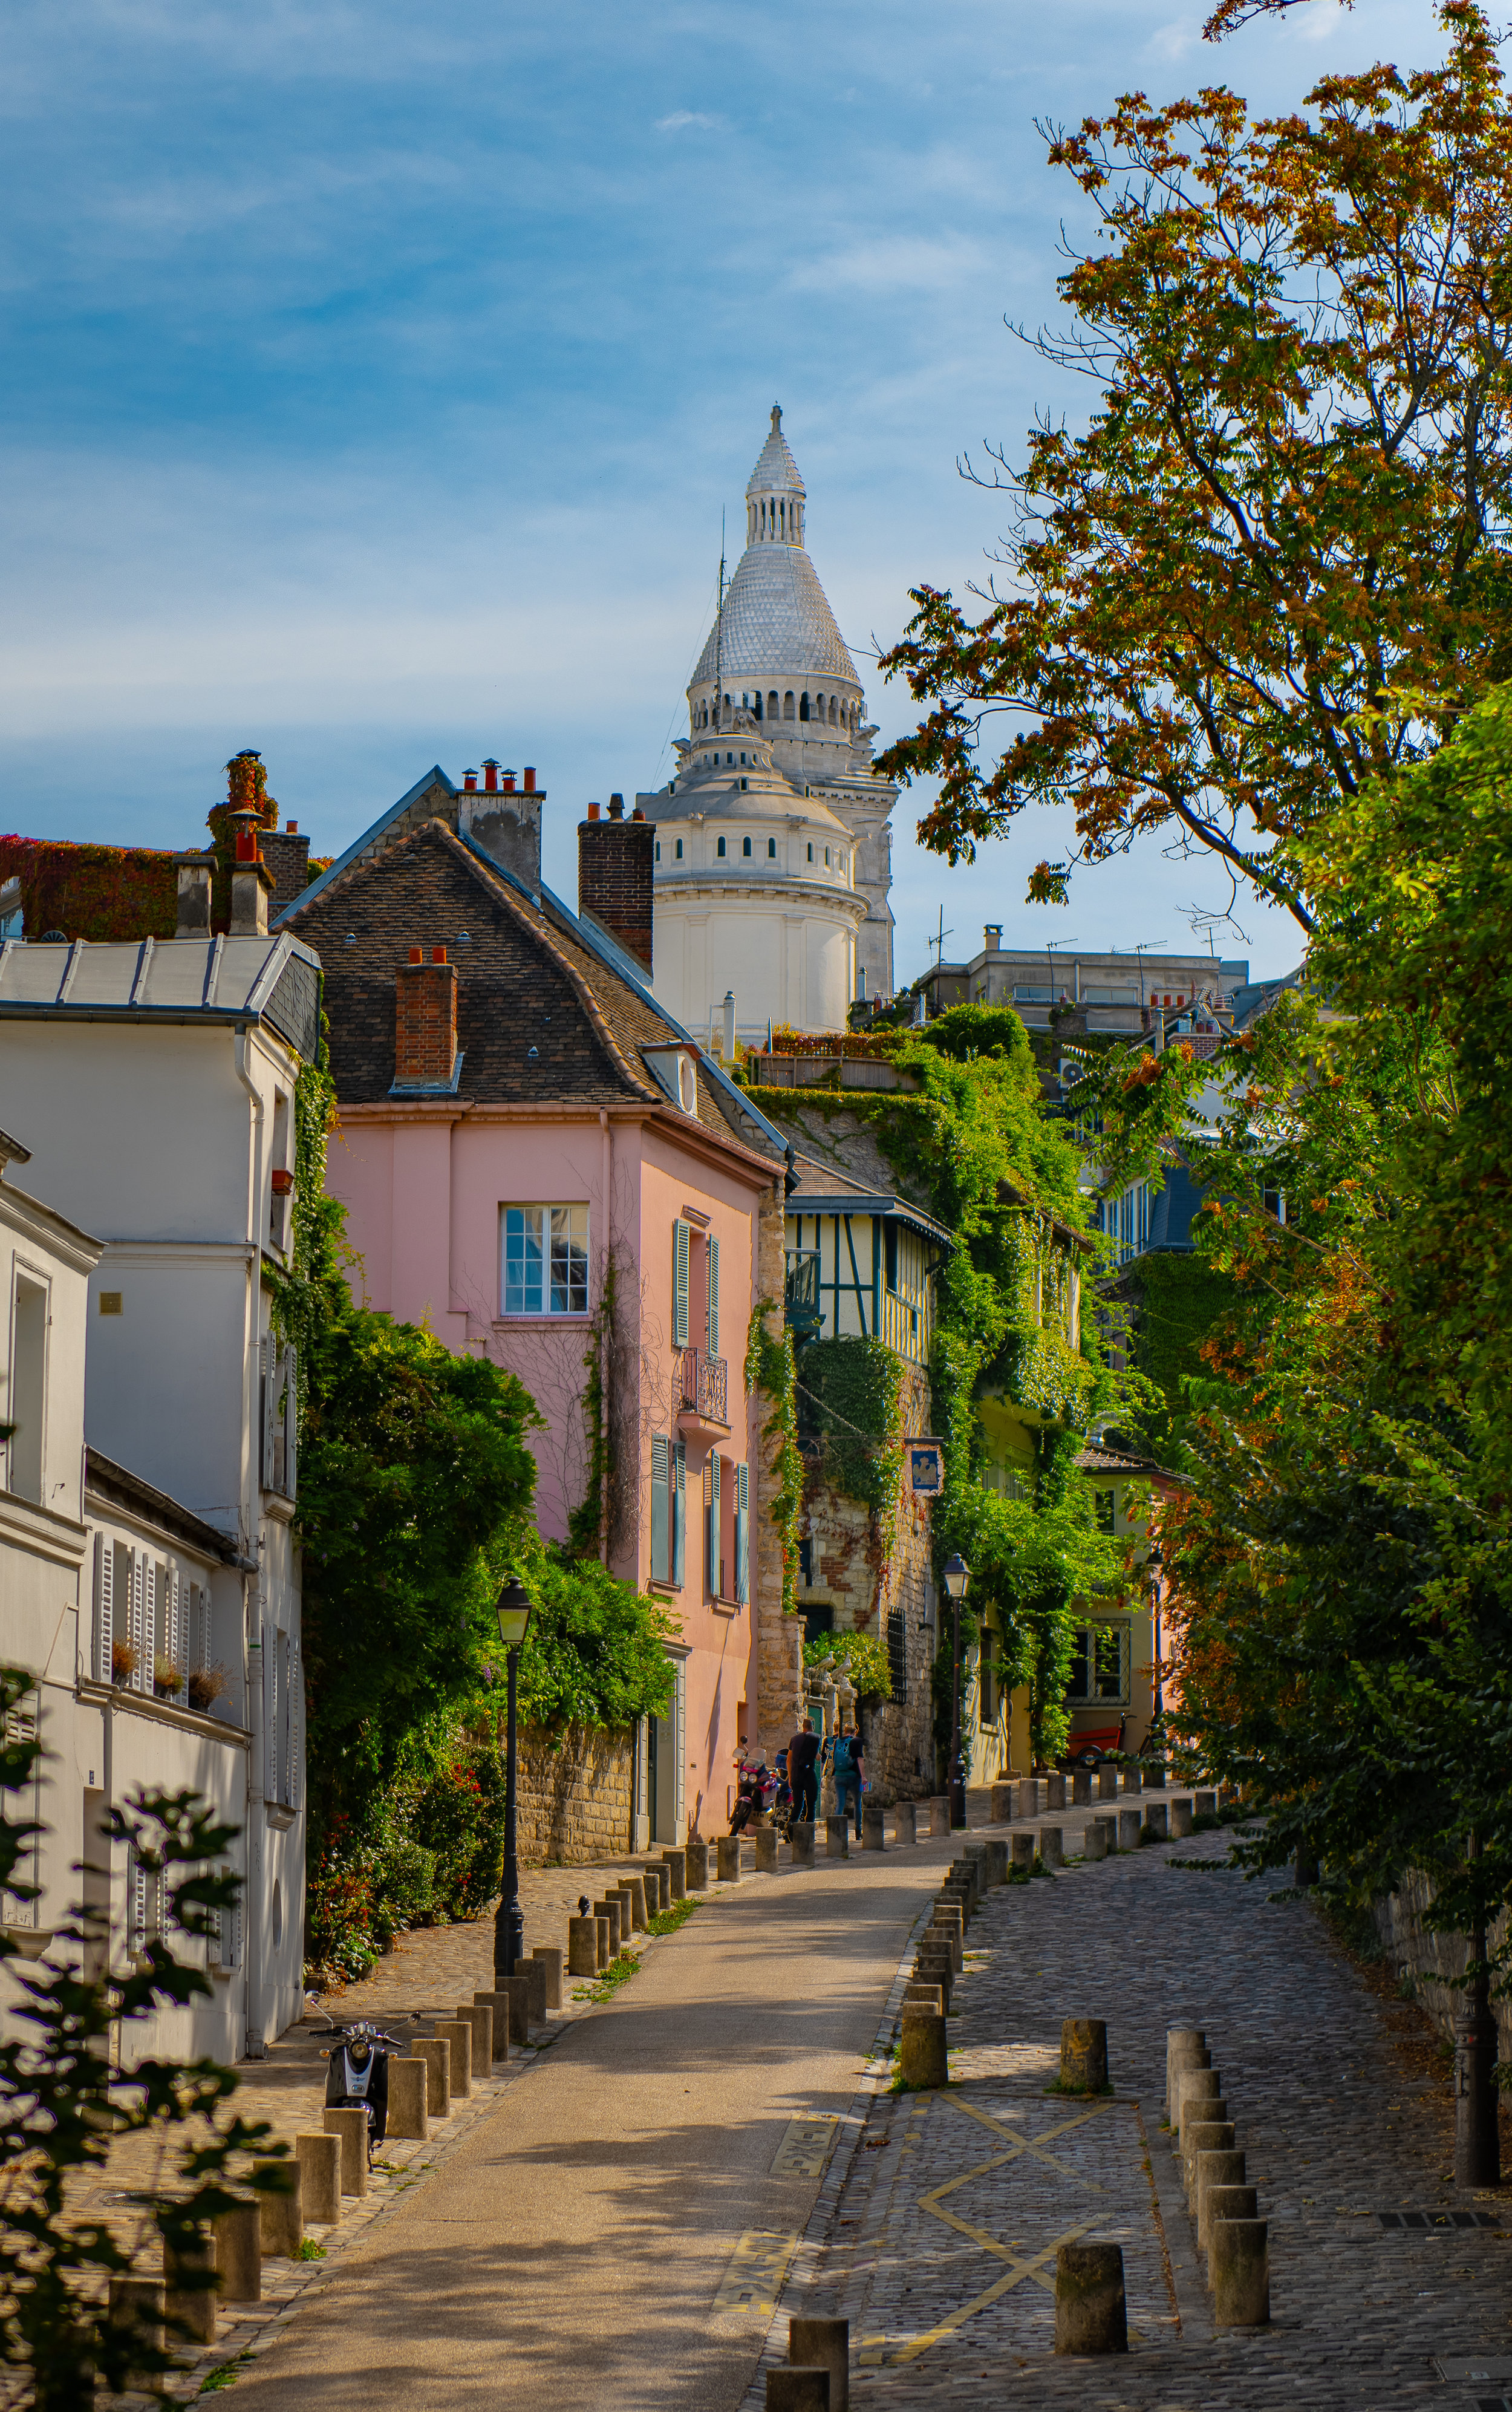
{"x":675,"y":1069}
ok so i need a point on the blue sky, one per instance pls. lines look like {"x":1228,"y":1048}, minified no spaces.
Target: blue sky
{"x":372,"y":380}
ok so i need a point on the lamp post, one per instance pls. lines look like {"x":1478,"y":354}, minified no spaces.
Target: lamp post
{"x":512,"y":1609}
{"x":957,"y":1576}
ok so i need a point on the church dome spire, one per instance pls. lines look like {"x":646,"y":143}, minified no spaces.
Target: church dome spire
{"x":774,"y":497}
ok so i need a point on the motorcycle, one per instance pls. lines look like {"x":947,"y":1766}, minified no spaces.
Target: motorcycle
{"x":357,"y":2075}
{"x":753,"y":1784}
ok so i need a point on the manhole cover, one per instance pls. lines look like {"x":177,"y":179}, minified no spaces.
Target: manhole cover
{"x":1420,"y":2219}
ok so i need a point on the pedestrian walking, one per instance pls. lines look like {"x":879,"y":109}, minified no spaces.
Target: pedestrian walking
{"x":848,"y":1772}
{"x":803,"y":1756}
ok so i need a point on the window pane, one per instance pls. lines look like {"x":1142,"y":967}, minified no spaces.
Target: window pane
{"x":1109,"y":1639}
{"x":569,"y":1260}
{"x":522,"y":1261}
{"x":1077,"y":1688}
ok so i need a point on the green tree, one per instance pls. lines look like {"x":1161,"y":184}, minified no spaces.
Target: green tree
{"x":1290,"y":502}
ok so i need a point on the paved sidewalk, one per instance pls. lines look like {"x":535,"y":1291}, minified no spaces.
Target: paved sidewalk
{"x":939,"y":2244}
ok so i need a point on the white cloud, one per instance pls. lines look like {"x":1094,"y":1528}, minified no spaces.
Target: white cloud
{"x":1173,"y":41}
{"x":682,"y":117}
{"x":892,"y":264}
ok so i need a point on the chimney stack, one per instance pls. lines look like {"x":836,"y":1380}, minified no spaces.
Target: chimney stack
{"x":469,"y":783}
{"x":995,"y":938}
{"x":196,"y":872}
{"x":490,"y":778}
{"x":425,"y":1024}
{"x":252,"y":882}
{"x":530,"y":780}
{"x":615,"y":861}
{"x":503,"y":824}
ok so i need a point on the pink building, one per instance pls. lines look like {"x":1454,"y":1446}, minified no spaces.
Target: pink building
{"x":540,"y":1166}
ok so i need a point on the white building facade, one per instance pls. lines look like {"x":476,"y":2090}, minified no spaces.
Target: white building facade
{"x":773,"y":852}
{"x":153,"y":1086}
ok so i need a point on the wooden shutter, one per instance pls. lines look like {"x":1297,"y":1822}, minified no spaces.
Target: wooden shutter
{"x":714,"y":1296}
{"x":679,"y":1731}
{"x":681,"y":1241}
{"x":660,"y":1506}
{"x":742,"y":1532}
{"x":711,"y":1524}
{"x":679,"y":1472}
{"x":104,"y":1605}
{"x":291,"y":1422}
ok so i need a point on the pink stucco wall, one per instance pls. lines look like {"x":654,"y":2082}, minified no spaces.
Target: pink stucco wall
{"x":424,"y":1188}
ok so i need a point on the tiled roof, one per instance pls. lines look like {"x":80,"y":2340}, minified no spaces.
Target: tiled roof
{"x":821,"y":1188}
{"x":1095,"y":1459}
{"x":776,"y":471}
{"x":777,"y":622}
{"x":541,"y":1016}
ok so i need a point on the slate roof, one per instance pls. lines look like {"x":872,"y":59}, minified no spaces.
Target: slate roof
{"x":543,"y":1017}
{"x":273,"y":978}
{"x":821,"y":1190}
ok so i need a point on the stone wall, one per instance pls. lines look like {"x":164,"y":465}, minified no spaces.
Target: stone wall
{"x":1435,"y":1960}
{"x":575,"y":1803}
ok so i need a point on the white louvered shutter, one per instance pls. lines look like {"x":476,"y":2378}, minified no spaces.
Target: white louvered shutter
{"x":742,"y":1532}
{"x":269,"y":1713}
{"x":104,"y":1605}
{"x":292,"y":1423}
{"x":149,"y":1625}
{"x":660,"y":1506}
{"x":176,"y":1650}
{"x":296,"y":1724}
{"x":139,"y":1904}
{"x":138,"y":1577}
{"x":264,"y":1389}
{"x":714,"y":1296}
{"x":682,"y":1238}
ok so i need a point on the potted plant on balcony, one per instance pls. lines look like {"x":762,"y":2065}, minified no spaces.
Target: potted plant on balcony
{"x":167,"y":1677}
{"x":125,"y":1660}
{"x":206,"y":1684}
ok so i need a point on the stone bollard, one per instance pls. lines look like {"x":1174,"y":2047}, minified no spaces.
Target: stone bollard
{"x":635,"y":1887}
{"x":1055,"y":1791}
{"x":1204,"y":1804}
{"x":1110,"y":1827}
{"x":281,"y":2215}
{"x":697,"y":1858}
{"x":628,"y":1892}
{"x":1185,"y":2048}
{"x":1051,"y":1846}
{"x":1106,"y":1782}
{"x":1031,"y":1796}
{"x":137,"y":2308}
{"x":793,"y":2389}
{"x":351,"y":2127}
{"x":533,"y":1972}
{"x":1094,"y":1841}
{"x":936,"y":1951}
{"x":436,"y":2054}
{"x":905,"y":1824}
{"x":1083,"y":2055}
{"x":1194,"y":2086}
{"x":1024,"y":1852}
{"x":996,"y":1859}
{"x":1091,"y":2316}
{"x":582,"y":1948}
{"x":1129,"y":1822}
{"x":550,"y":1957}
{"x":658,"y":1890}
{"x":479,"y":2015}
{"x":1154,"y":1776}
{"x":922,"y":2057}
{"x":239,"y":2239}
{"x":939,"y":1814}
{"x":319,"y":2160}
{"x":1238,"y":2272}
{"x":1154,"y":1819}
{"x":1080,"y":1787}
{"x":951,"y":1936}
{"x":917,"y":1995}
{"x":190,"y":2308}
{"x":1221,"y":2192}
{"x":610,"y":1907}
{"x":512,"y":2005}
{"x":1180,"y":1816}
{"x":800,"y":1842}
{"x":459,"y":2034}
{"x":873,"y":1835}
{"x":676,"y":1864}
{"x":837,"y":1838}
{"x":1133,"y":1779}
{"x":766,"y":1849}
{"x":1001,"y":1804}
{"x":407,"y":2097}
{"x":823,"y":2345}
{"x":728,"y":1858}
{"x":935,"y":1973}
{"x":1201,"y":2137}
{"x":601,"y":1921}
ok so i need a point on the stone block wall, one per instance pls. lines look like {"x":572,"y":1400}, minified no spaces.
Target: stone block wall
{"x":1435,"y":1960}
{"x":576,"y":1802}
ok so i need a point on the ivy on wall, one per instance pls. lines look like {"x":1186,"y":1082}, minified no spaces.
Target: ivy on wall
{"x":1177,"y":1302}
{"x":848,"y":1395}
{"x":97,"y":892}
{"x":769,"y":1369}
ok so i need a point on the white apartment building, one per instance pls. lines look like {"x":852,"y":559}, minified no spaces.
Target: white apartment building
{"x":153,"y":1585}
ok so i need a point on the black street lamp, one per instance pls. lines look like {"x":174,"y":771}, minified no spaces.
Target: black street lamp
{"x":512,"y":1609}
{"x":957,"y":1576}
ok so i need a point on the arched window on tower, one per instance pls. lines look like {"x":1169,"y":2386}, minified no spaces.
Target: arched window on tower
{"x":719,"y":849}
{"x":818,"y":704}
{"x":772,"y":849}
{"x":758,"y":704}
{"x":788,"y":705}
{"x":834,"y":713}
{"x":803,"y":706}
{"x":773,"y":704}
{"x":745,"y":847}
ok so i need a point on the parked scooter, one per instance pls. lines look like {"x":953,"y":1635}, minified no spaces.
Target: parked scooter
{"x":356,"y":2076}
{"x":752,"y":1787}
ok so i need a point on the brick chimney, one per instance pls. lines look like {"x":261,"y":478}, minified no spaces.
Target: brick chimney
{"x":194,"y":871}
{"x":252,"y":882}
{"x":425,"y":1027}
{"x":614,"y":876}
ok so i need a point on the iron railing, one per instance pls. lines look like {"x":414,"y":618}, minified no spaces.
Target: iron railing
{"x":704,"y":1384}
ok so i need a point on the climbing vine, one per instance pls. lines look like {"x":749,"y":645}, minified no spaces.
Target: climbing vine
{"x":770,"y":1370}
{"x":587,"y":1524}
{"x":848,"y":1395}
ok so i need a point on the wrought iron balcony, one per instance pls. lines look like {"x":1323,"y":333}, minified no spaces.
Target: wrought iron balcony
{"x":703,"y":1385}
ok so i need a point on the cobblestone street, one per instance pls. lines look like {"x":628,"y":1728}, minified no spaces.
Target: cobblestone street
{"x":939,"y":2239}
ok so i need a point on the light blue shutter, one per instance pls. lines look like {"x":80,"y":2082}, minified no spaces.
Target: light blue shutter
{"x":679,"y":1472}
{"x":682,"y":1237}
{"x":714,"y":1296}
{"x":742,"y":1533}
{"x":660,"y":1507}
{"x":710,"y":1545}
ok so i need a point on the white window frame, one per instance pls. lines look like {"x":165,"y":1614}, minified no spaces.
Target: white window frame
{"x":574,"y":1230}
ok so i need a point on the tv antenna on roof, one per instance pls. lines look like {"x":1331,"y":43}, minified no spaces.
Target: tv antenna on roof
{"x":938,"y":942}
{"x":1146,"y":947}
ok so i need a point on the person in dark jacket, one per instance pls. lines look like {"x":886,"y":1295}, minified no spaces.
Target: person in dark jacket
{"x":847,"y":1751}
{"x":802,"y":1759}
